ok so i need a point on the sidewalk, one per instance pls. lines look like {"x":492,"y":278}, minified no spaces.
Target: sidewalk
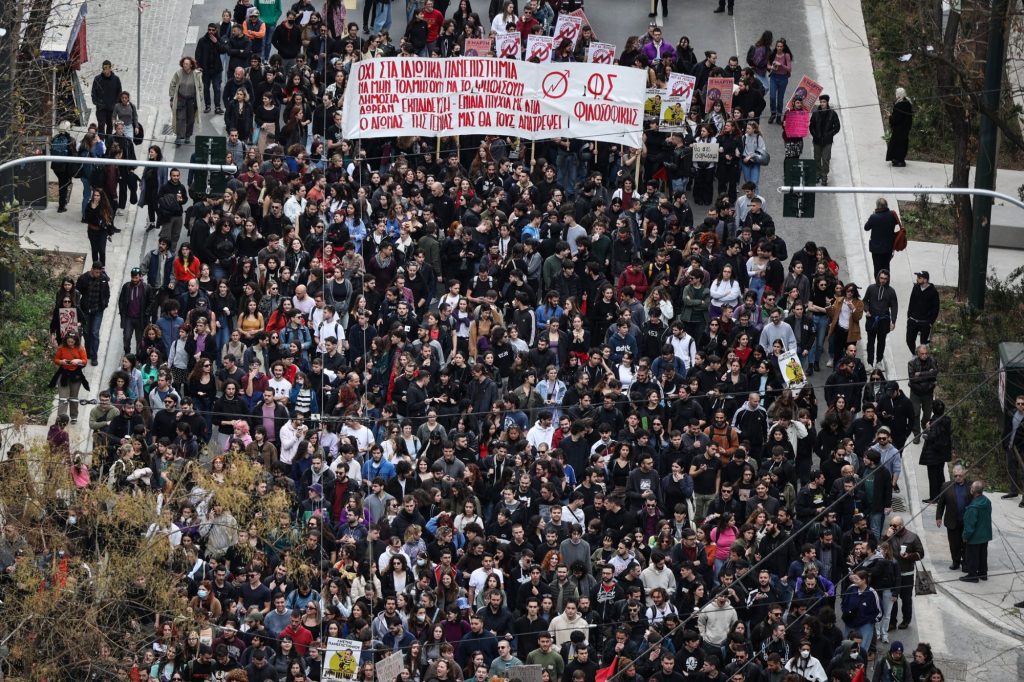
{"x":164,"y":29}
{"x":991,"y":601}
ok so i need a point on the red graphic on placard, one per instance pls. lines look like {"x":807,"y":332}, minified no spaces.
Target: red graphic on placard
{"x":568,"y":32}
{"x":541,"y":51}
{"x":510,"y":49}
{"x":555,"y":84}
{"x":603,"y":57}
{"x":682,"y":89}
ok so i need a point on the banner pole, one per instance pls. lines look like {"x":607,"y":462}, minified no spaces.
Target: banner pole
{"x":438,"y":152}
{"x":533,"y":153}
{"x":639,"y":157}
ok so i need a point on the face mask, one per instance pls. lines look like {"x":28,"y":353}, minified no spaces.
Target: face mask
{"x":420,"y":617}
{"x":72,"y":520}
{"x":202,"y":594}
{"x":805,"y":654}
{"x":421,"y":562}
{"x":854,"y":654}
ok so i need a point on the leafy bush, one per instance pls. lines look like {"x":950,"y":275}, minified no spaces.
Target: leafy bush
{"x":26,"y":358}
{"x":967,"y":344}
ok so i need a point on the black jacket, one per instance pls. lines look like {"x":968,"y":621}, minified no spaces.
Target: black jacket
{"x":881,"y":498}
{"x":938,"y":442}
{"x":880,"y":303}
{"x":208,"y":55}
{"x":238,"y":49}
{"x":922,"y":375}
{"x":102,"y":300}
{"x":924,"y":304}
{"x":106,"y":90}
{"x":824,"y":125}
{"x":287,"y":41}
{"x":122,"y":299}
{"x":882,"y":226}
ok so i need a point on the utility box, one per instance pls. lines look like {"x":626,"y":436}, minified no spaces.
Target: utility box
{"x":799,"y":173}
{"x":1011,"y":379}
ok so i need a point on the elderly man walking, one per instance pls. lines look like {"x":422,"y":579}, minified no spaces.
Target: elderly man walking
{"x":977,"y":534}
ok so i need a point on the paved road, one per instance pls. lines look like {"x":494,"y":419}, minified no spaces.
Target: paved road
{"x":959,"y":641}
{"x":614,"y":21}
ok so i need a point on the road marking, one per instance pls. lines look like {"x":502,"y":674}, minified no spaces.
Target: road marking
{"x":198,"y":2}
{"x":191,"y":35}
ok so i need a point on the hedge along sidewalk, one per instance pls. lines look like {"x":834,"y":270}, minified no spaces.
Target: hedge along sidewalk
{"x":26,"y":354}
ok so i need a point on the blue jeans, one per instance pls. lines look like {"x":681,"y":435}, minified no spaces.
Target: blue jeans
{"x":86,"y":192}
{"x":820,"y":330}
{"x":867,"y":633}
{"x":383,"y":22}
{"x":751,"y":172}
{"x":567,"y":165}
{"x":777,"y":93}
{"x":757,"y":285}
{"x":211,"y":80}
{"x":266,"y":44}
{"x":93,"y":322}
{"x":885,"y":598}
{"x":410,"y":8}
{"x":763,"y":80}
{"x":875,"y":521}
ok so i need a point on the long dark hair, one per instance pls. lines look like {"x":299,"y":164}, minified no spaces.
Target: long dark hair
{"x":766,"y":40}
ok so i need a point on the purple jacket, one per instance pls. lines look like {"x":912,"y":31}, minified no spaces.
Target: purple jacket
{"x":664,"y":51}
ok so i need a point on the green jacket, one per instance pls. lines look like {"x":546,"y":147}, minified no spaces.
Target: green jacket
{"x":978,"y":521}
{"x":270,"y":12}
{"x":695,"y":304}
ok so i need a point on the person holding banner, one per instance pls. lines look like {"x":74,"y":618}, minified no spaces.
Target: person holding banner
{"x":795,"y":124}
{"x":704,"y":172}
{"x":416,"y":34}
{"x":583,"y":44}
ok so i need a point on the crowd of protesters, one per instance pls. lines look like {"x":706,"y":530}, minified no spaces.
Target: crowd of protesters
{"x":527,"y":411}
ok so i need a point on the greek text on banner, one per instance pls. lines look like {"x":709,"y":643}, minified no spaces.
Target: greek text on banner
{"x":480,"y":95}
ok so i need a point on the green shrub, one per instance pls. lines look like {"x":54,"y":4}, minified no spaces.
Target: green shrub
{"x":26,"y":357}
{"x":967,"y":345}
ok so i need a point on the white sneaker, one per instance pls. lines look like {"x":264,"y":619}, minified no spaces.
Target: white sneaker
{"x":828,"y":364}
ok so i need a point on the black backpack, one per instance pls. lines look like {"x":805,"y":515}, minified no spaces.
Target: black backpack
{"x":168,"y":205}
{"x":61,"y":145}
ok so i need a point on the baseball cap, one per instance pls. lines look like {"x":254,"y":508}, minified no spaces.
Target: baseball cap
{"x":923,"y":273}
{"x":136,"y":271}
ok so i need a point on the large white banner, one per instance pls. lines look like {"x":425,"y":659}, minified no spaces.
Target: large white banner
{"x":479,"y":95}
